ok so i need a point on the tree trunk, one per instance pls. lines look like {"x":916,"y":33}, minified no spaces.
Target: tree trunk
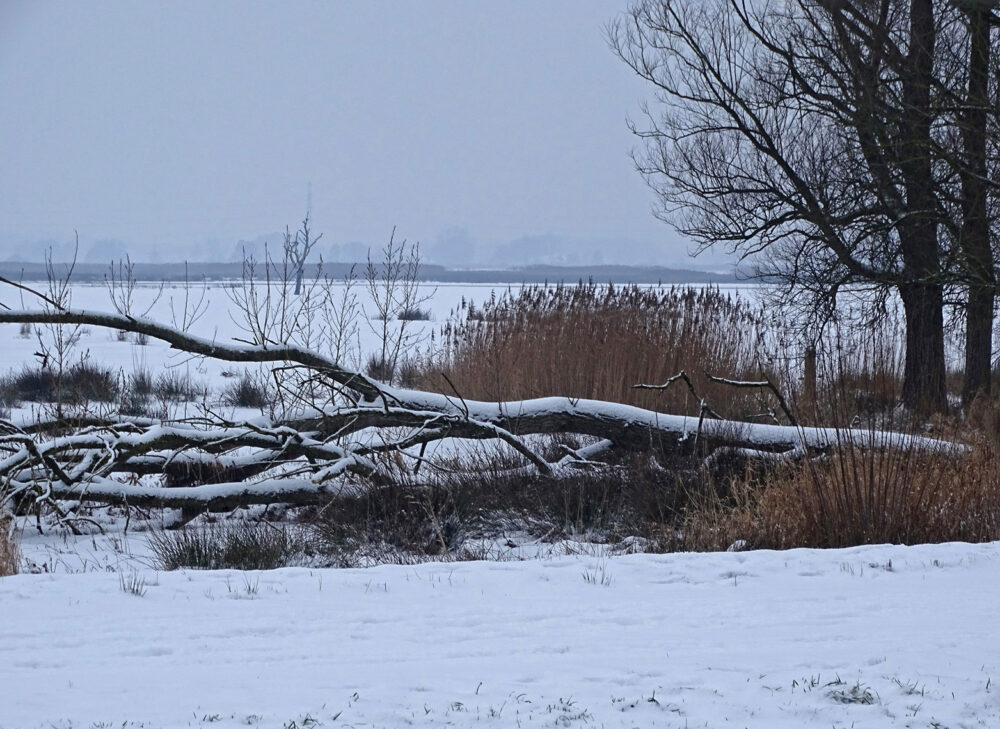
{"x":975,"y":242}
{"x":924,"y":373}
{"x":921,"y":289}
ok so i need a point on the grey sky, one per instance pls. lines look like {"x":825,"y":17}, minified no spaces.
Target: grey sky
{"x":182,"y":127}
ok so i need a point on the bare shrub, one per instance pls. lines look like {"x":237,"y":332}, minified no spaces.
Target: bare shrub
{"x":394,"y":292}
{"x":857,"y":495}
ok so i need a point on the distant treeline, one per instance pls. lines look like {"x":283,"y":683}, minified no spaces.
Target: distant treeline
{"x":94,"y":272}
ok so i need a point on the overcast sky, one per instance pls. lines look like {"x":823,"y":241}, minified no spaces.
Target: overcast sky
{"x":180,"y":128}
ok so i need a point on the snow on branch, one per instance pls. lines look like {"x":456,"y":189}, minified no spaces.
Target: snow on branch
{"x":306,"y":455}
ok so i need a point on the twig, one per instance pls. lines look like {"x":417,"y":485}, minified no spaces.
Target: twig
{"x":762,"y":384}
{"x":682,"y":375}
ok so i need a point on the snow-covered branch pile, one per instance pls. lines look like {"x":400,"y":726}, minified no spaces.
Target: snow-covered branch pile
{"x":366,"y":432}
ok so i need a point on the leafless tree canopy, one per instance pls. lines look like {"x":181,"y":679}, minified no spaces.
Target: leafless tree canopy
{"x":839,"y":143}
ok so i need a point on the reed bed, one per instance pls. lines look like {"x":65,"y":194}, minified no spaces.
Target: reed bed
{"x":598,"y":342}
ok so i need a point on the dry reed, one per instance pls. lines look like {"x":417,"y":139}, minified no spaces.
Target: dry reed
{"x":590,"y":341}
{"x":858,"y":494}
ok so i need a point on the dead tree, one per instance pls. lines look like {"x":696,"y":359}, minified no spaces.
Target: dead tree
{"x":356,"y":437}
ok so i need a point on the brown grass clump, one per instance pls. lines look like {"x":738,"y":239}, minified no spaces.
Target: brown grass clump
{"x":10,"y":557}
{"x":590,"y":341}
{"x":482,"y":499}
{"x":857,"y":496}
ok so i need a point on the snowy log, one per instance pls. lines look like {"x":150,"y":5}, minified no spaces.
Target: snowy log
{"x":304,"y":456}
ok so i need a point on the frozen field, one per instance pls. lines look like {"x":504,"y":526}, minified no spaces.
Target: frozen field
{"x":867,"y":637}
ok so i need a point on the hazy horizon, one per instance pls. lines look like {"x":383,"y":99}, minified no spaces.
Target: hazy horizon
{"x":492,"y":133}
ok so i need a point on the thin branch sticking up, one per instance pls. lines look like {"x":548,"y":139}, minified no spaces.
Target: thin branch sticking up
{"x":767,"y":384}
{"x":683,"y":376}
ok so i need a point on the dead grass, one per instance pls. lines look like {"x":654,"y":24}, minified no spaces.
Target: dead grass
{"x":590,"y":341}
{"x":856,"y":496}
{"x":483,"y":499}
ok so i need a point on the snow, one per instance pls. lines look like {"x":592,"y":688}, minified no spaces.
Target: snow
{"x":881,"y":636}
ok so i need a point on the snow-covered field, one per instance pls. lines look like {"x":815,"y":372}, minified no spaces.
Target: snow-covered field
{"x":867,"y":637}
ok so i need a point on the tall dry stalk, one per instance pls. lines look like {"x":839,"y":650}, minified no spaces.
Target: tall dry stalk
{"x":858,"y":495}
{"x":590,"y":341}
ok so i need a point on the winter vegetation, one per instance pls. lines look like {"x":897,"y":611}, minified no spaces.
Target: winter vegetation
{"x":263,"y":429}
{"x":685,"y":419}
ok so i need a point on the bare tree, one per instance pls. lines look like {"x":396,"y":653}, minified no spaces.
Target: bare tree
{"x":393,"y":283}
{"x":297,"y":248}
{"x":977,"y":120}
{"x":814,"y":132}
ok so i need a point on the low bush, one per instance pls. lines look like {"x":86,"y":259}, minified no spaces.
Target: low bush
{"x":240,"y":545}
{"x":246,"y":392}
{"x":83,"y":382}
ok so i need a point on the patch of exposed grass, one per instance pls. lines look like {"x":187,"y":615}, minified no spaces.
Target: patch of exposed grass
{"x":176,"y":386}
{"x":246,"y":392}
{"x":414,"y":313}
{"x":238,"y":545}
{"x":83,"y":382}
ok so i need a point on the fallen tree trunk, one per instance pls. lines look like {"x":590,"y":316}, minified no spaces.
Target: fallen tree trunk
{"x":303,"y":456}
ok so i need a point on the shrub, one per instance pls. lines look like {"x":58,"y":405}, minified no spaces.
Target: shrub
{"x":857,"y":496}
{"x":246,"y":392}
{"x":240,"y":545}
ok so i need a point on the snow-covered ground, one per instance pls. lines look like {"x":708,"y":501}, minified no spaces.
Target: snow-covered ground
{"x":867,"y":637}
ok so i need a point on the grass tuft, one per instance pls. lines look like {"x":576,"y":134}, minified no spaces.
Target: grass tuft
{"x":246,"y":392}
{"x":83,"y":382}
{"x":237,"y":545}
